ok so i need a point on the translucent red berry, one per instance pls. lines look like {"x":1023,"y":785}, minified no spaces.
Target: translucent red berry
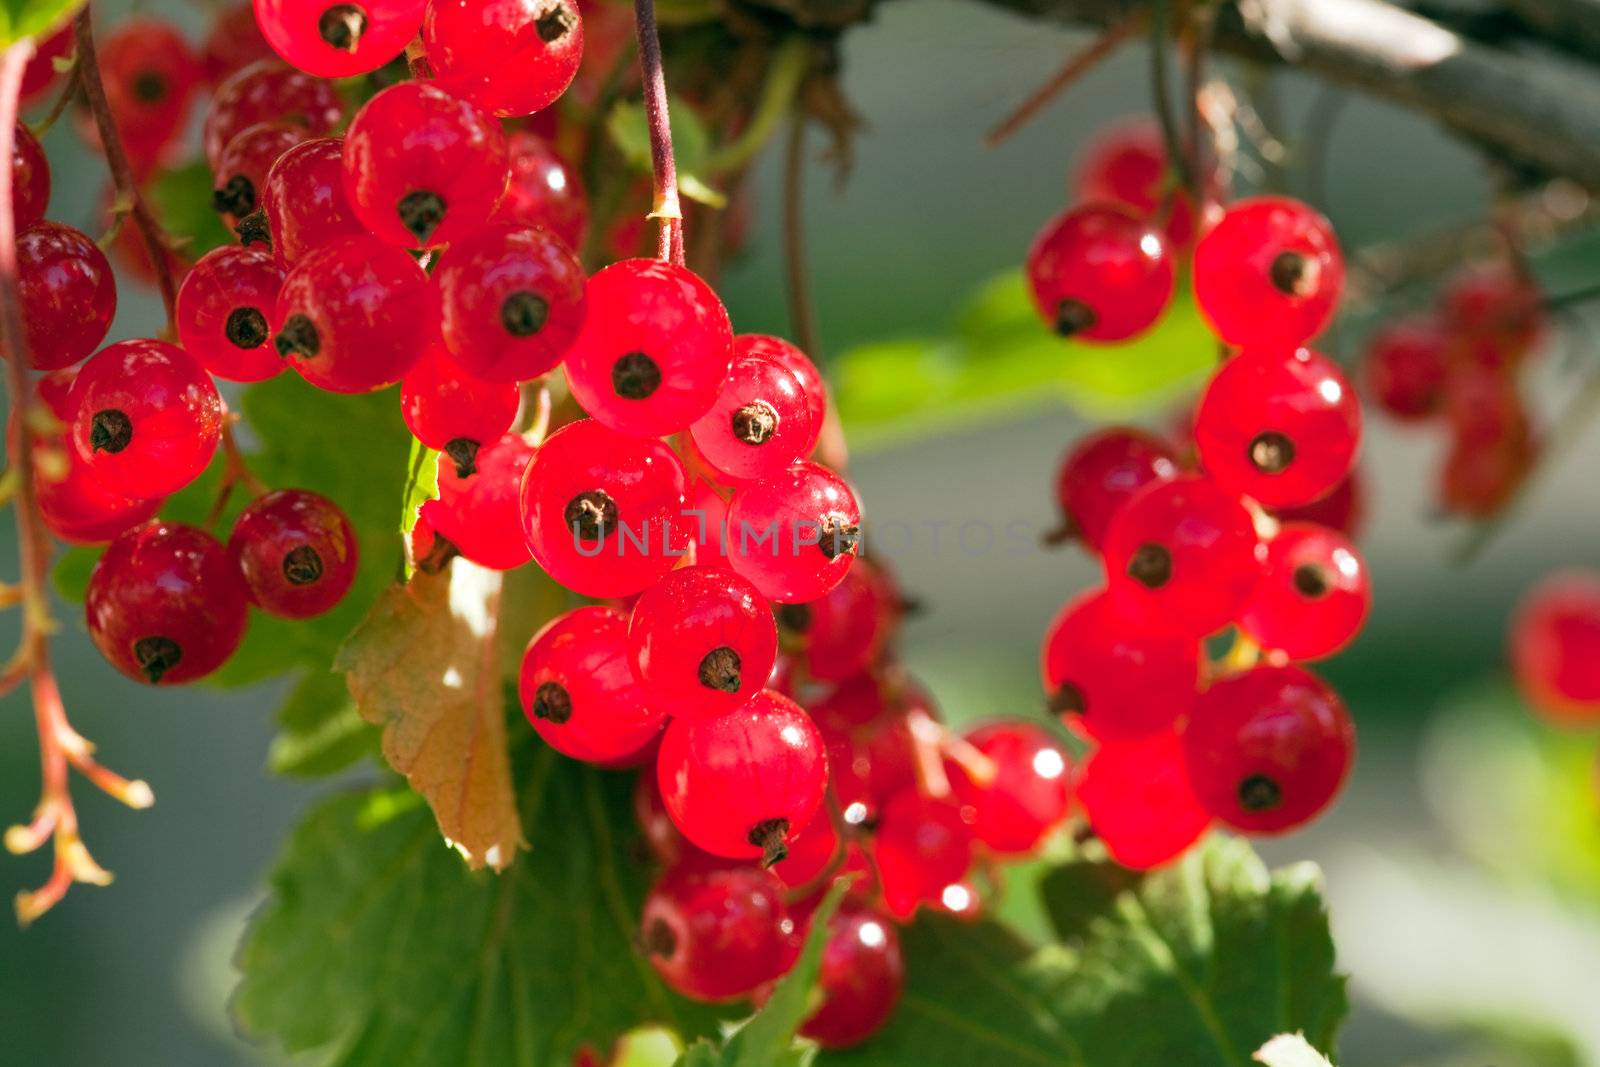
{"x":1481,"y":476}
{"x":1268,"y":273}
{"x":655,"y":825}
{"x":225,"y":309}
{"x":743,"y":784}
{"x":545,"y":190}
{"x":1342,"y":509}
{"x":578,"y":689}
{"x":338,"y":40}
{"x":655,"y":348}
{"x":150,"y":76}
{"x":68,"y":297}
{"x":479,"y":513}
{"x":866,"y":723}
{"x":1268,"y":749}
{"x":511,"y":302}
{"x":1405,"y":367}
{"x":1126,"y":163}
{"x":845,"y":630}
{"x":354,"y":316}
{"x":716,"y":932}
{"x":1028,"y":793}
{"x":1496,"y":313}
{"x":239,"y":177}
{"x":1313,"y":595}
{"x":1102,"y":472}
{"x":165,"y":604}
{"x":296,"y":551}
{"x":147,"y":419}
{"x":304,"y":200}
{"x":233,"y":43}
{"x":422,"y":166}
{"x":266,"y":91}
{"x":794,"y":535}
{"x":454,"y":412}
{"x":30,"y":179}
{"x":702,"y":641}
{"x":922,"y":845}
{"x":1140,"y":803}
{"x":862,"y":976}
{"x":759,"y":424}
{"x":1100,"y":273}
{"x":1555,"y":648}
{"x":511,"y":57}
{"x":764,"y":346}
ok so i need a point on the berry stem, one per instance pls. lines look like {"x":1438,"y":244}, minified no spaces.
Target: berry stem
{"x":1076,"y":66}
{"x":785,"y":74}
{"x":235,"y":472}
{"x":94,"y":93}
{"x":802,"y":309}
{"x":927,"y":743}
{"x":665,"y":209}
{"x":1161,"y":89}
{"x":58,"y":107}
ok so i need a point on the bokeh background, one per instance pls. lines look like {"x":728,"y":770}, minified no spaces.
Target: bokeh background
{"x":1464,"y":903}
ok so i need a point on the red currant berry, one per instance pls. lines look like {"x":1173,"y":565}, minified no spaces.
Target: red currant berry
{"x":263,"y":92}
{"x":1480,"y":477}
{"x":811,"y":853}
{"x":354,"y":316}
{"x":545,"y":191}
{"x":1497,"y":313}
{"x":716,"y":932}
{"x":423,"y":167}
{"x":846,"y":629}
{"x":1028,"y":795}
{"x":30,"y":179}
{"x":871,"y":753}
{"x":744,"y":784}
{"x":1268,"y":273}
{"x":666,"y":844}
{"x":225,"y":307}
{"x":1405,"y":367}
{"x":1182,"y":557}
{"x":511,"y":302}
{"x":1113,"y":678}
{"x":1139,"y":801}
{"x":1126,"y":163}
{"x":233,"y":43}
{"x":796,"y":534}
{"x":454,"y":412}
{"x":1268,"y":749}
{"x":759,"y":424}
{"x":40,"y":74}
{"x":579,"y":692}
{"x":1102,"y":472}
{"x":702,"y":641}
{"x":67,"y":294}
{"x":1313,"y":596}
{"x":150,"y":77}
{"x":338,"y":40}
{"x":1342,"y":510}
{"x":479,"y":513}
{"x":511,"y":57}
{"x":1279,"y":425}
{"x":1555,"y":648}
{"x":1484,"y":407}
{"x":862,"y":975}
{"x":241,"y":171}
{"x":296,"y":551}
{"x":763,"y":346}
{"x":148,"y":417}
{"x":922,"y":846}
{"x":655,"y":348}
{"x":1099,"y":273}
{"x":165,"y":604}
{"x":304,"y":200}
{"x":603,"y":513}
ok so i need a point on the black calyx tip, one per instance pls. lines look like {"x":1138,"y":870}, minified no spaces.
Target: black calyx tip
{"x":1073,"y":317}
{"x":110,"y":431}
{"x":590,"y":515}
{"x":719,"y":670}
{"x":156,"y":656}
{"x":298,"y":337}
{"x":1259,"y":793}
{"x":1294,"y":273}
{"x":1067,"y":700}
{"x":840,"y":536}
{"x":635,"y":376}
{"x":657,"y":939}
{"x":421,"y":212}
{"x":1151,"y":566}
{"x":254,"y":229}
{"x":795,"y":618}
{"x":149,"y":86}
{"x":237,"y":197}
{"x":755,"y":423}
{"x":554,"y":24}
{"x":768,"y":837}
{"x":302,"y":565}
{"x":463,"y":452}
{"x":341,"y":27}
{"x":246,"y":328}
{"x":524,"y":313}
{"x":1311,"y":581}
{"x":1271,"y":452}
{"x":552,"y":702}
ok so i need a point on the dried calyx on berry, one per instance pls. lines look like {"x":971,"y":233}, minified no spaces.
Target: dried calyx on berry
{"x":342,"y":26}
{"x":421,"y":212}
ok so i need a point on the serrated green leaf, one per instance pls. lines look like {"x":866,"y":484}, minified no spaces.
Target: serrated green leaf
{"x":377,"y":947}
{"x":181,"y":200}
{"x":320,"y":732}
{"x":33,"y":18}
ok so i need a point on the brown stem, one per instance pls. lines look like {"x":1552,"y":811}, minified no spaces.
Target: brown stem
{"x":665,"y":209}
{"x":1076,"y":66}
{"x":802,"y":310}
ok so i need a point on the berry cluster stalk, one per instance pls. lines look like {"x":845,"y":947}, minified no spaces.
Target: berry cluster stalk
{"x":665,"y":209}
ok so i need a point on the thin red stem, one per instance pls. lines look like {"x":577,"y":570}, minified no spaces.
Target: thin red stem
{"x":1077,"y":65}
{"x":802,"y":310}
{"x":666,"y":208}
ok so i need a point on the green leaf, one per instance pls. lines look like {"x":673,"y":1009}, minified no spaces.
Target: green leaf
{"x":33,"y":18}
{"x":72,"y":570}
{"x":691,"y":145}
{"x":181,"y":199}
{"x":320,"y":731}
{"x":378,"y":947}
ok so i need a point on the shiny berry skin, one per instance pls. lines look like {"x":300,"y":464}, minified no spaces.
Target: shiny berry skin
{"x":354,"y":316}
{"x":225,"y":309}
{"x":479,"y":513}
{"x":1103,"y":471}
{"x":1279,"y":425}
{"x":423,"y":167}
{"x":545,"y":190}
{"x":165,"y":604}
{"x":846,"y":629}
{"x":337,"y":39}
{"x":233,"y":43}
{"x":862,"y":975}
{"x":794,"y":535}
{"x":702,"y":641}
{"x":1483,"y":406}
{"x":655,"y":348}
{"x":743,"y":784}
{"x":30,"y":179}
{"x":603,"y":514}
{"x":655,"y":825}
{"x":265,"y":91}
{"x":1268,"y":749}
{"x":1140,"y":803}
{"x":1405,"y":366}
{"x":454,"y":412}
{"x":148,"y":417}
{"x":305,"y":202}
{"x":1342,"y":509}
{"x":151,"y":77}
{"x":759,"y":424}
{"x":765,"y":346}
{"x":1126,"y":163}
{"x":511,"y":302}
{"x":68,"y":297}
{"x":511,"y":57}
{"x":1182,"y":557}
{"x":1029,"y":795}
{"x":578,"y":690}
{"x":922,"y":845}
{"x":1555,"y":648}
{"x":866,"y":724}
{"x":1313,"y":595}
{"x":1268,"y":273}
{"x":811,"y":852}
{"x":1497,"y":315}
{"x":716,"y":932}
{"x":296,"y":551}
{"x":1480,"y":477}
{"x":1114,"y":678}
{"x":1099,"y":273}
{"x":241,"y":171}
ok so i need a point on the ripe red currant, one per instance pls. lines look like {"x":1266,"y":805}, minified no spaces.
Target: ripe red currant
{"x":702,"y":641}
{"x":845,"y":630}
{"x":1555,"y":648}
{"x":579,"y":692}
{"x":1483,"y":406}
{"x":1495,"y":312}
{"x":1268,"y":273}
{"x":296,"y":551}
{"x":147,"y":419}
{"x":1480,"y":477}
{"x":1140,"y":803}
{"x":1313,"y":595}
{"x":150,"y":76}
{"x":241,"y":171}
{"x":454,"y":412}
{"x":811,"y":852}
{"x":479,"y":513}
{"x":1103,"y":471}
{"x":759,"y":424}
{"x":1340,"y":510}
{"x":233,"y":43}
{"x":165,"y":604}
{"x":655,"y":348}
{"x":1100,"y":273}
{"x":862,"y":975}
{"x":263,"y":92}
{"x":871,"y":753}
{"x":30,"y":179}
{"x":304,"y":200}
{"x":225,"y":307}
{"x":742,"y":785}
{"x":716,"y":932}
{"x":922,"y":846}
{"x":511,"y":57}
{"x":545,"y":190}
{"x":338,"y":40}
{"x":1126,"y":163}
{"x":40,"y":74}
{"x":1405,"y":367}
{"x":764,"y":346}
{"x":68,"y":297}
{"x":1028,"y":796}
{"x":795,"y":534}
{"x":655,"y":825}
{"x":423,"y":167}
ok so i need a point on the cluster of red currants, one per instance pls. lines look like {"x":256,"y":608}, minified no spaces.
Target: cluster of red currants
{"x":1460,"y":362}
{"x":1255,"y":741}
{"x":1555,"y":651}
